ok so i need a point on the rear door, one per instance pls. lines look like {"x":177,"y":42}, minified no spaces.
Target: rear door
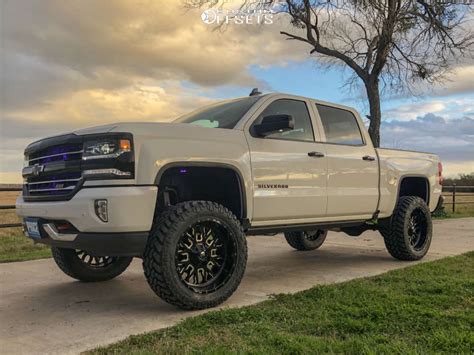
{"x":353,"y":175}
{"x":289,"y":169}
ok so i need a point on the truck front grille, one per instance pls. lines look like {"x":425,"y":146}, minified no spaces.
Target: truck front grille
{"x":53,"y":169}
{"x":62,"y":152}
{"x":53,"y":185}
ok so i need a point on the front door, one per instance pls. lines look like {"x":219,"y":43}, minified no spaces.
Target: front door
{"x":289,"y":168}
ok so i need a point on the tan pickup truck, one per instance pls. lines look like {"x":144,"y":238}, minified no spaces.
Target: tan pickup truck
{"x":183,"y":195}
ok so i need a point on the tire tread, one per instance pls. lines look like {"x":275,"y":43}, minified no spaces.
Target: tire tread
{"x":166,"y":224}
{"x":394,"y":235}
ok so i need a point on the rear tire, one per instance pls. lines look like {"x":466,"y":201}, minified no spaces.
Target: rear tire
{"x":196,"y":255}
{"x":306,"y":240}
{"x":84,"y":267}
{"x":408,"y":237}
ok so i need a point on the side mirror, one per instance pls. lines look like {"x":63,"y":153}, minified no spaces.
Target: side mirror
{"x":274,"y":123}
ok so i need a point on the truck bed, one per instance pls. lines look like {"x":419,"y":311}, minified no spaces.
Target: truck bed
{"x":395,"y":164}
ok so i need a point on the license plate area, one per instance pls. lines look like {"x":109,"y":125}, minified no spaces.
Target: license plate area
{"x":32,"y":228}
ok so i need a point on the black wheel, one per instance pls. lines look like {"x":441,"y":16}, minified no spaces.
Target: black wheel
{"x":196,"y":255}
{"x":306,"y":240}
{"x":409,"y":235}
{"x":84,"y":267}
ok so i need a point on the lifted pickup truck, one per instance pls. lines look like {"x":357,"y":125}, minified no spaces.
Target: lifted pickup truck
{"x":183,"y":195}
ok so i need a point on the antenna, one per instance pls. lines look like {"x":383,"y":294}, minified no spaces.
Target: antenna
{"x":255,"y":92}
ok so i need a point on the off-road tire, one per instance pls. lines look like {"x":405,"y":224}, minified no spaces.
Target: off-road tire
{"x":398,"y":236}
{"x":385,"y":230}
{"x":69,"y":261}
{"x":304,"y":241}
{"x":161,"y":253}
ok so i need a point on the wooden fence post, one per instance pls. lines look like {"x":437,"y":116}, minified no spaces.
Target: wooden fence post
{"x":454,"y":198}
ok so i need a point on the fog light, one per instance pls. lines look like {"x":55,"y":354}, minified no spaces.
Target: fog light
{"x":63,"y":226}
{"x":101,"y":210}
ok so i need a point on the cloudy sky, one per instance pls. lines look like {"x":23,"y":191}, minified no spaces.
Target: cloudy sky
{"x":71,"y":64}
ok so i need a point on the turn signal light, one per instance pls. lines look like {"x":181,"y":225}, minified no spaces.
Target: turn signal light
{"x":125,"y":145}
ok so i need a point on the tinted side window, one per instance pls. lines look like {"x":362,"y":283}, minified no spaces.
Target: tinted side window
{"x":303,"y":130}
{"x":340,"y":126}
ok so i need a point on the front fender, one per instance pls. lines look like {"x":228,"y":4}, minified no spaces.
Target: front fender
{"x":219,"y":147}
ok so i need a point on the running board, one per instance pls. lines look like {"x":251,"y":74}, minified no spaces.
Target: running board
{"x":301,"y":227}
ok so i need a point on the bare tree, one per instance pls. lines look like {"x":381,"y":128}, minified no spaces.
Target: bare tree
{"x":389,"y":45}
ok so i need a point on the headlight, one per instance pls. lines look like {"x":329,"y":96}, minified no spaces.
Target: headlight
{"x":106,"y":149}
{"x":108,"y":156}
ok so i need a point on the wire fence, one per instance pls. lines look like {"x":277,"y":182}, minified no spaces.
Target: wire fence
{"x":9,"y":207}
{"x":459,"y":195}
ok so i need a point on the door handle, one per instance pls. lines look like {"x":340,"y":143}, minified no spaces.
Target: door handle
{"x":316,"y":154}
{"x":368,"y":157}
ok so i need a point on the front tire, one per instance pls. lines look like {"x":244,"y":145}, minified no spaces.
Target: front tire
{"x":196,"y":255}
{"x":81,"y":266}
{"x":408,"y":237}
{"x":306,"y":240}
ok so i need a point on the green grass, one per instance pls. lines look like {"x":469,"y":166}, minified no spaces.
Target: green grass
{"x":427,"y":308}
{"x":16,"y":247}
{"x":460,"y":212}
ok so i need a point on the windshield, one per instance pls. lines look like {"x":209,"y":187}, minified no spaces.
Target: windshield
{"x":224,"y":114}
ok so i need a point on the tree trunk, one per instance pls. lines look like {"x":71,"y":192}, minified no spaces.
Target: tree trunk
{"x":372,"y":87}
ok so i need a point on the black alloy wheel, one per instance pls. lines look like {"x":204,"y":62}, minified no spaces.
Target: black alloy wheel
{"x":306,"y":240}
{"x":95,"y":261}
{"x":313,"y":235}
{"x":417,"y":230}
{"x":205,"y":256}
{"x":83,"y":266}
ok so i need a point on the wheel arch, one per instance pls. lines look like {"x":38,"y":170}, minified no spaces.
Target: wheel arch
{"x":209,"y":166}
{"x":414,"y":185}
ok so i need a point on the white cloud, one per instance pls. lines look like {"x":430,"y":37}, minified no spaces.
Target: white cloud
{"x":460,"y":80}
{"x":138,"y":39}
{"x":446,"y":107}
{"x":451,"y":139}
{"x":412,"y":111}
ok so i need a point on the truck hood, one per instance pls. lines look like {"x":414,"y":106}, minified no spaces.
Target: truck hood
{"x":96,"y":129}
{"x":154,"y":130}
{"x":159,"y":129}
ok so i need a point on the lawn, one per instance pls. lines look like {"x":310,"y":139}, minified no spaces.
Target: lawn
{"x":426,"y":308}
{"x":460,"y":212}
{"x":14,"y":246}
